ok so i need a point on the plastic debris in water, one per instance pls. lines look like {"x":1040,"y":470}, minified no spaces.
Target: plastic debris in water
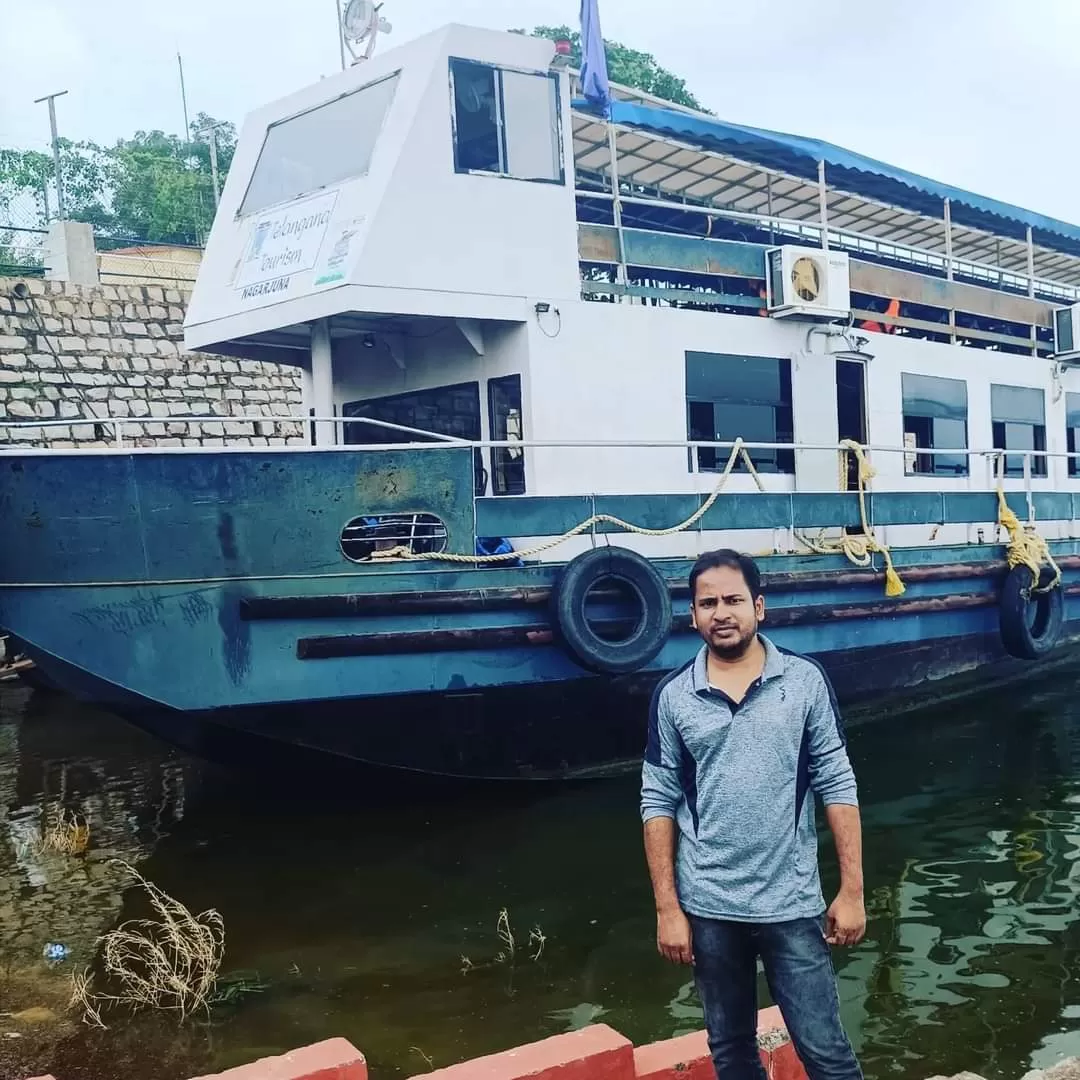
{"x":54,"y":952}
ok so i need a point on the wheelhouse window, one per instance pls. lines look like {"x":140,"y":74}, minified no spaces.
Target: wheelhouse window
{"x":444,"y":410}
{"x":504,"y":415}
{"x":728,"y":397}
{"x":321,"y":147}
{"x":935,"y":415}
{"x":506,"y":122}
{"x":1072,"y":431}
{"x":1019,"y":417}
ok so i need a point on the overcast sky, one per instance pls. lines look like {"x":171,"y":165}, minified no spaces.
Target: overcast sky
{"x":983,"y":94}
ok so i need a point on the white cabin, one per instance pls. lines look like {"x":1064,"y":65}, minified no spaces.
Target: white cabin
{"x":442,"y":238}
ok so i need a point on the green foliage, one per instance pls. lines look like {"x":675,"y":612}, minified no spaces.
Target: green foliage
{"x":629,"y":67}
{"x":153,"y":186}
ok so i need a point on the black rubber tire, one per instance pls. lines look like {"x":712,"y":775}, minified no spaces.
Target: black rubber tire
{"x":652,"y":596}
{"x":1023,"y":636}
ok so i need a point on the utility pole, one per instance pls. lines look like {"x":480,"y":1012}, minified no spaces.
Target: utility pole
{"x":183,"y":97}
{"x":51,"y":99}
{"x":213,"y":165}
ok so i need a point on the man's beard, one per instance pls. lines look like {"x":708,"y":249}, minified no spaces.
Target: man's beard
{"x":738,"y":649}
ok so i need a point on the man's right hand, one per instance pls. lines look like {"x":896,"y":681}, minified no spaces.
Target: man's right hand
{"x":673,"y":939}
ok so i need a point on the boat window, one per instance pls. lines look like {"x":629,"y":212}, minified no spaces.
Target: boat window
{"x":506,"y":122}
{"x":728,"y":397}
{"x":1019,"y":418}
{"x":504,"y":414}
{"x":417,"y":534}
{"x":320,"y":147}
{"x":1072,"y":430}
{"x":935,"y":414}
{"x":444,"y":410}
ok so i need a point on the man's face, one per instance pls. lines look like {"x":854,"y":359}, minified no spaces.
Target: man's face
{"x":724,"y":613}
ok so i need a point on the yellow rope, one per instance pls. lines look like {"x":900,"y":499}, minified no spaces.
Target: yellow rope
{"x":1026,"y":546}
{"x":858,"y":548}
{"x":737,"y":451}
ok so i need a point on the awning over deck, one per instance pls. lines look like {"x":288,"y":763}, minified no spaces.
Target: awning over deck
{"x":689,"y":156}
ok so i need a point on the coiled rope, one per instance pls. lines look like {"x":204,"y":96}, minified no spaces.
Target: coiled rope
{"x":857,"y":548}
{"x":1026,"y":546}
{"x":737,"y":451}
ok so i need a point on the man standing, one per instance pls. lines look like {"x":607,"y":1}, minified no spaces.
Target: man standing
{"x":740,"y":740}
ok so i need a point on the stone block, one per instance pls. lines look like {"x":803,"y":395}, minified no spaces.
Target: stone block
{"x":179,"y":408}
{"x":83,"y":432}
{"x":159,"y":408}
{"x":139,"y":407}
{"x":20,"y":409}
{"x":117,"y":363}
{"x":172,"y":297}
{"x":134,"y":329}
{"x":72,"y":345}
{"x":155,"y":330}
{"x":154,"y":430}
{"x":121,"y":346}
{"x":12,"y":343}
{"x":97,"y":344}
{"x":63,"y":307}
{"x":146,"y":347}
{"x":166,"y":348}
{"x":140,"y":363}
{"x":13,"y":360}
{"x":158,"y":312}
{"x":45,"y":409}
{"x":69,"y":408}
{"x":92,"y":363}
{"x":82,"y":326}
{"x":235,"y":428}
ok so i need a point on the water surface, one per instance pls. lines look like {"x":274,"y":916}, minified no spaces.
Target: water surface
{"x":366,"y":905}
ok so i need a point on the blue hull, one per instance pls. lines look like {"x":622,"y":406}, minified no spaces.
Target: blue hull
{"x":213,"y":585}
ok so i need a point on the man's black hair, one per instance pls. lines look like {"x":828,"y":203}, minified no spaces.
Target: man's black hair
{"x":713,"y":560}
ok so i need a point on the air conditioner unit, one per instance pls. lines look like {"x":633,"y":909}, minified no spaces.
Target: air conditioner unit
{"x":807,"y":282}
{"x":1067,"y":332}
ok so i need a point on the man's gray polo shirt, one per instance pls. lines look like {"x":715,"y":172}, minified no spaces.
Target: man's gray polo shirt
{"x":736,"y":777}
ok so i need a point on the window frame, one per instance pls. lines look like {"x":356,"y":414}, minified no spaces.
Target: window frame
{"x":779,"y":462}
{"x":244,"y":212}
{"x":999,"y":436}
{"x":495,"y":464}
{"x":927,"y":464}
{"x":500,"y":112}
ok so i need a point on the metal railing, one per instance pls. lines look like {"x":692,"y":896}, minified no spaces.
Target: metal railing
{"x":855,"y":243}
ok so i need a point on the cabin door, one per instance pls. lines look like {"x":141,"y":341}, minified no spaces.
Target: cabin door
{"x":851,"y":410}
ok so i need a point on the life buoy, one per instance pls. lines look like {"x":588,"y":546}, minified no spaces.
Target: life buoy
{"x":648,"y":593}
{"x":1031,"y":622}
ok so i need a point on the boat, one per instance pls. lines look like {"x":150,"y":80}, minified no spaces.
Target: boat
{"x":551,"y":352}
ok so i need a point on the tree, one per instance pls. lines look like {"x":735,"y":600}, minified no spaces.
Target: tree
{"x":627,"y":66}
{"x":152,"y":187}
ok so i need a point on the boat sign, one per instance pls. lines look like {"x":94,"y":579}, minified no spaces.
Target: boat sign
{"x":285,"y":241}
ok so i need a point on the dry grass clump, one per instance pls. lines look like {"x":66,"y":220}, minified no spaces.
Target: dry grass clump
{"x":170,"y":962}
{"x":63,"y":832}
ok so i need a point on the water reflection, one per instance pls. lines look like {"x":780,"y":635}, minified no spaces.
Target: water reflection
{"x":356,"y":900}
{"x":125,"y":792}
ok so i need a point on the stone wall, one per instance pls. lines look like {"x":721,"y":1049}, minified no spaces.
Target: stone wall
{"x":70,"y":351}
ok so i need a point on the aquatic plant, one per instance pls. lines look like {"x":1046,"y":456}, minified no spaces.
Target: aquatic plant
{"x":508,"y":953}
{"x":169,"y":962}
{"x":63,"y":832}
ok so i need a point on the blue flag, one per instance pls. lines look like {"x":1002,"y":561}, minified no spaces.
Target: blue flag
{"x":594,"y":73}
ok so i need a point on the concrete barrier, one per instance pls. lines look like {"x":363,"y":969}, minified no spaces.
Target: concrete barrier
{"x":335,"y":1059}
{"x":593,"y":1053}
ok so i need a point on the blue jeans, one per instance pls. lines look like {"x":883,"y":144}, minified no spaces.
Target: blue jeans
{"x":799,"y":971}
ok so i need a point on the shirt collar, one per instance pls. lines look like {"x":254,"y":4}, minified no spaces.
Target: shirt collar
{"x":774,"y":665}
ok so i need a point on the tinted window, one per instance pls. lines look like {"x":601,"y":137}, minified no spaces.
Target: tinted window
{"x":506,"y":122}
{"x":935,"y":415}
{"x":1019,"y":420}
{"x":320,"y":147}
{"x":729,"y":397}
{"x":1072,"y":430}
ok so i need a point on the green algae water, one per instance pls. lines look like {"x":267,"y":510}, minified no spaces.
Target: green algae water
{"x":368,"y":905}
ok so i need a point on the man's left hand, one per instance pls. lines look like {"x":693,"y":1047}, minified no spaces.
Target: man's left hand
{"x":845,"y":921}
